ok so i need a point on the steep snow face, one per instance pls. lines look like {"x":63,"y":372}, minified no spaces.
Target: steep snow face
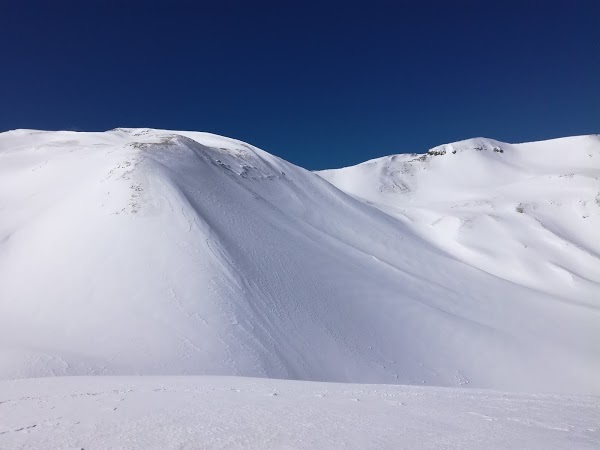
{"x":141,"y":251}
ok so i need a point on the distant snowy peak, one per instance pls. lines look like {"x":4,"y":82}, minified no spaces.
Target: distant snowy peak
{"x":464,"y":168}
{"x":560,"y":150}
{"x":538,"y":202}
{"x":475,"y":144}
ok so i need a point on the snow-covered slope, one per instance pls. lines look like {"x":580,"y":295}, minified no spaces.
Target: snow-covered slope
{"x":528,"y":213}
{"x":140,"y":251}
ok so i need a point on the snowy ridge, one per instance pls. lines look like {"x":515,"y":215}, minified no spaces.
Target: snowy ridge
{"x":154,"y":252}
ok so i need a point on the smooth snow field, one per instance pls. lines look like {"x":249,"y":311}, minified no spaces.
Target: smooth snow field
{"x":233,"y":412}
{"x":469,"y":270}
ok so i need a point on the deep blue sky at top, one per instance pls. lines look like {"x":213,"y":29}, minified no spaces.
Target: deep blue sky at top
{"x":322,"y":84}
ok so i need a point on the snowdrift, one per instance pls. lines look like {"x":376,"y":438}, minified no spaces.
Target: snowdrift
{"x":139,"y":251}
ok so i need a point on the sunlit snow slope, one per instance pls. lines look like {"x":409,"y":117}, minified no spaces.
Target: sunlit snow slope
{"x":140,"y":251}
{"x":528,"y":213}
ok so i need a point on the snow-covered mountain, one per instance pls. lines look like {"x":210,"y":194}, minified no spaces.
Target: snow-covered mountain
{"x":527,"y":213}
{"x":139,"y":251}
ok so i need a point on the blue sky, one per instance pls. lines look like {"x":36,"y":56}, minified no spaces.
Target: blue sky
{"x":322,"y":84}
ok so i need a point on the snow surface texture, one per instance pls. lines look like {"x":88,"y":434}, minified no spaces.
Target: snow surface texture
{"x":139,"y":251}
{"x":228,"y":412}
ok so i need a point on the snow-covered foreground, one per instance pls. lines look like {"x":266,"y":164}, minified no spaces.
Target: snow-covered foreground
{"x":226,"y":412}
{"x":153,"y":252}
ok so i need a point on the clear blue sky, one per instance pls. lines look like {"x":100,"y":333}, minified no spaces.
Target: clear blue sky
{"x":322,"y":84}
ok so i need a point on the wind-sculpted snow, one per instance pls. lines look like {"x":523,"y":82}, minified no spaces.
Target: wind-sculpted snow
{"x":154,"y":252}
